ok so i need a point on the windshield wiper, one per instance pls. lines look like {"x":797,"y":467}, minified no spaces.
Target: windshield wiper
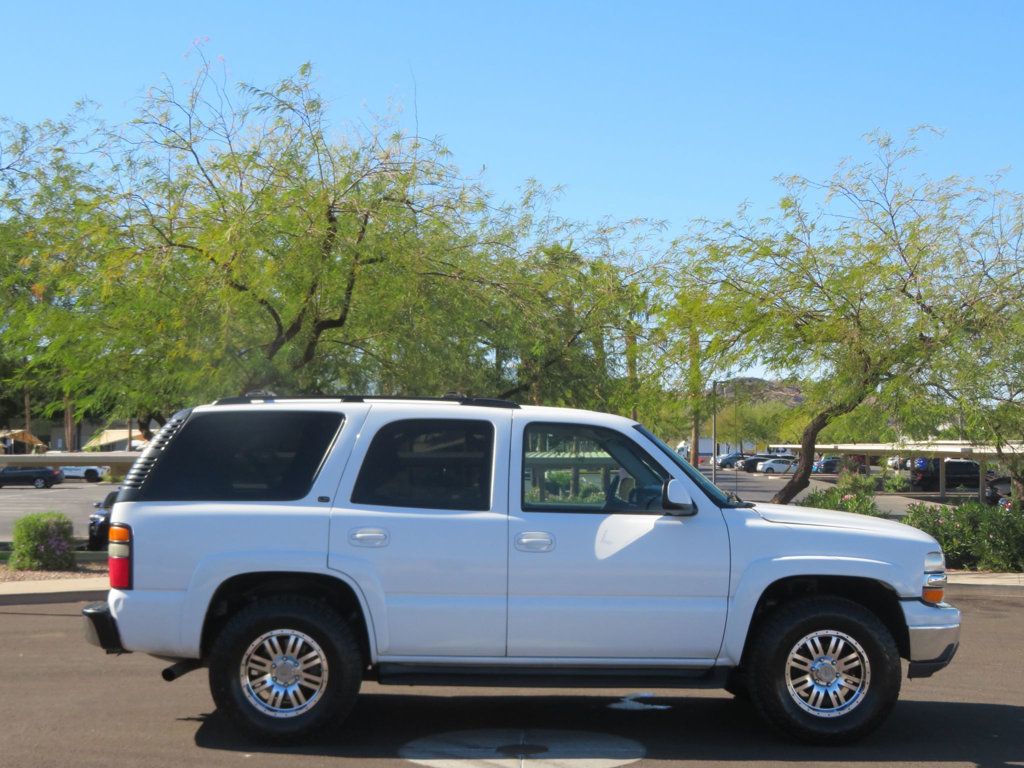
{"x":737,"y":501}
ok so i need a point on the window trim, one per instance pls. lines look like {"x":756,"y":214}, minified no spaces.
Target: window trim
{"x":644,"y":453}
{"x":490,"y":498}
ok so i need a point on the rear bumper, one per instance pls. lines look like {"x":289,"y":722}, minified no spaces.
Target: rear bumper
{"x":101,"y":628}
{"x":934,"y":634}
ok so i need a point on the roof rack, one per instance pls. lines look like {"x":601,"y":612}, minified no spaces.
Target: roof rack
{"x":269,"y":397}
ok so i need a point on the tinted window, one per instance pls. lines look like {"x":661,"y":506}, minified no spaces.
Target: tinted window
{"x":428,"y":464}
{"x":243,"y":455}
{"x":577,"y":468}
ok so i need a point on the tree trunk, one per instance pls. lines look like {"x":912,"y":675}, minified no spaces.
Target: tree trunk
{"x":69,"y":424}
{"x":631,"y":372}
{"x":695,"y":387}
{"x":802,"y":477}
{"x":28,"y":413}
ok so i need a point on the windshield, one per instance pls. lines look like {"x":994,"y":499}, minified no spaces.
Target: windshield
{"x":716,"y":494}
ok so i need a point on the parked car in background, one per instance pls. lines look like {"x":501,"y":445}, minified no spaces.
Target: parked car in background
{"x":750,"y":463}
{"x":91,"y":474}
{"x":894,"y":462}
{"x":776,"y":466}
{"x":40,"y":477}
{"x":99,"y":522}
{"x":828,"y":465}
{"x":728,"y":460}
{"x":959,"y":473}
{"x":997,"y":489}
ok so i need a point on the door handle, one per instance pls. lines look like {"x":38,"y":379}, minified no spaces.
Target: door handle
{"x":535,"y":541}
{"x":368,"y":537}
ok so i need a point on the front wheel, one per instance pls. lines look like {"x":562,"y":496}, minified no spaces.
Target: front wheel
{"x":825,"y":670}
{"x":92,"y":476}
{"x":769,"y":471}
{"x":285,"y":667}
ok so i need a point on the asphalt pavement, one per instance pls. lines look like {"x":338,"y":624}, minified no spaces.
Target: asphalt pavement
{"x":72,"y":497}
{"x":69,"y":704}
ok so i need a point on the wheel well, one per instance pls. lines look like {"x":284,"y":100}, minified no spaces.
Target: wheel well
{"x":240,"y":591}
{"x":873,"y":595}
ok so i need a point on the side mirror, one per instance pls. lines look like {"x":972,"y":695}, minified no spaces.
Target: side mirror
{"x":675,"y":499}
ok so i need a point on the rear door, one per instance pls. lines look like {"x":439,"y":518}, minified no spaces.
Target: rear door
{"x":421,"y":522}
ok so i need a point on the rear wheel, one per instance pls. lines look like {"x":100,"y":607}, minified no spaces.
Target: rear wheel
{"x":92,"y":476}
{"x":39,"y":483}
{"x":825,"y":670}
{"x":285,"y":667}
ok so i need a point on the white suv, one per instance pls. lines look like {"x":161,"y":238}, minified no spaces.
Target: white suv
{"x":297,"y":547}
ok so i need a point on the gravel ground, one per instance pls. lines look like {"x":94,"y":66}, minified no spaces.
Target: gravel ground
{"x":83,"y":571}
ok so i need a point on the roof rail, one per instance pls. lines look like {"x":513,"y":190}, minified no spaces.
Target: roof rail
{"x":259,"y":397}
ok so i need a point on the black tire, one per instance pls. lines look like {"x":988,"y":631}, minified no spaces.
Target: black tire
{"x":769,"y":471}
{"x":40,"y":483}
{"x":283,"y":617}
{"x":92,"y":476}
{"x":874,"y":660}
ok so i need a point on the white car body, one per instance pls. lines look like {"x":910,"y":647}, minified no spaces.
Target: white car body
{"x":504,"y":587}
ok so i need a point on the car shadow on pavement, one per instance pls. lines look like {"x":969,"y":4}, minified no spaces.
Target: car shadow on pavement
{"x":383,"y":725}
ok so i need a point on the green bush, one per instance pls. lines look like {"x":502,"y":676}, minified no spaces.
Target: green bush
{"x":895,"y":482}
{"x":856,"y":484}
{"x":843,"y":500}
{"x":973,"y":535}
{"x":43,"y":542}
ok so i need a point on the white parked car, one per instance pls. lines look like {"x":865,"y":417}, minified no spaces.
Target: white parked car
{"x":298,"y":547}
{"x":91,"y":474}
{"x":772,"y":466}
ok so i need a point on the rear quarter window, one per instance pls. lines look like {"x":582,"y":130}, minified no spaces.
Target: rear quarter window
{"x":243,"y":456}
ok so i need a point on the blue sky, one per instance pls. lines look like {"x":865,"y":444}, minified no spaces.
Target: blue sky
{"x":669,"y":110}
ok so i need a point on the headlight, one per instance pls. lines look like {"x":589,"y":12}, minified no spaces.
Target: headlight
{"x":934,"y":588}
{"x":935,"y":562}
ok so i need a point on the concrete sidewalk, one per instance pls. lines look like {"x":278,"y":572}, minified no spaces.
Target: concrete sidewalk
{"x":76,"y":590}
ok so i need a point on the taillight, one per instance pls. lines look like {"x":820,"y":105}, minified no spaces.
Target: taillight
{"x":119,"y":556}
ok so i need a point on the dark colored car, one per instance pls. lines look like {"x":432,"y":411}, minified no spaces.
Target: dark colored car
{"x":959,"y":472}
{"x":750,"y":464}
{"x":40,"y":477}
{"x":997,"y":489}
{"x":829,"y":465}
{"x":99,"y":522}
{"x":725,"y":462}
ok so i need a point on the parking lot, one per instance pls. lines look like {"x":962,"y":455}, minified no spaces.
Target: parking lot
{"x":72,"y":497}
{"x":68,"y":704}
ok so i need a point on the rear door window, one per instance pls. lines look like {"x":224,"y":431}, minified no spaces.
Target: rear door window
{"x":428,"y":464}
{"x":243,"y":456}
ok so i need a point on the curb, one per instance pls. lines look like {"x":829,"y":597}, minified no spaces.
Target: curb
{"x":45,"y":598}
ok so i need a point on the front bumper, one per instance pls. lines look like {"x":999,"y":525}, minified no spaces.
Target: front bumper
{"x":934,"y":634}
{"x":101,"y":628}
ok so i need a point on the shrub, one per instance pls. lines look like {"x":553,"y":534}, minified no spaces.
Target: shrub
{"x":894,"y":482}
{"x":856,"y":484}
{"x":973,"y":535}
{"x":843,"y":500}
{"x":42,"y":541}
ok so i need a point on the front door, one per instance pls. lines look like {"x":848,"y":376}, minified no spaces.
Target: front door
{"x":597,"y":570}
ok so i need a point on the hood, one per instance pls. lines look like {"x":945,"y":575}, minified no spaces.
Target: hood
{"x":793,"y":515}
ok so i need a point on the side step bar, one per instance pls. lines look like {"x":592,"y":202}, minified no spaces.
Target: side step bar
{"x":392,"y":673}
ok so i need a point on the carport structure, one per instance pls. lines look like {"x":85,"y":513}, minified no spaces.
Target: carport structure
{"x":939,"y":449}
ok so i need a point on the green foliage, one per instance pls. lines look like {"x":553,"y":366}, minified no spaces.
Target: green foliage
{"x":843,"y":501}
{"x":973,"y":535}
{"x":42,"y":541}
{"x":894,"y":482}
{"x":856,"y":483}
